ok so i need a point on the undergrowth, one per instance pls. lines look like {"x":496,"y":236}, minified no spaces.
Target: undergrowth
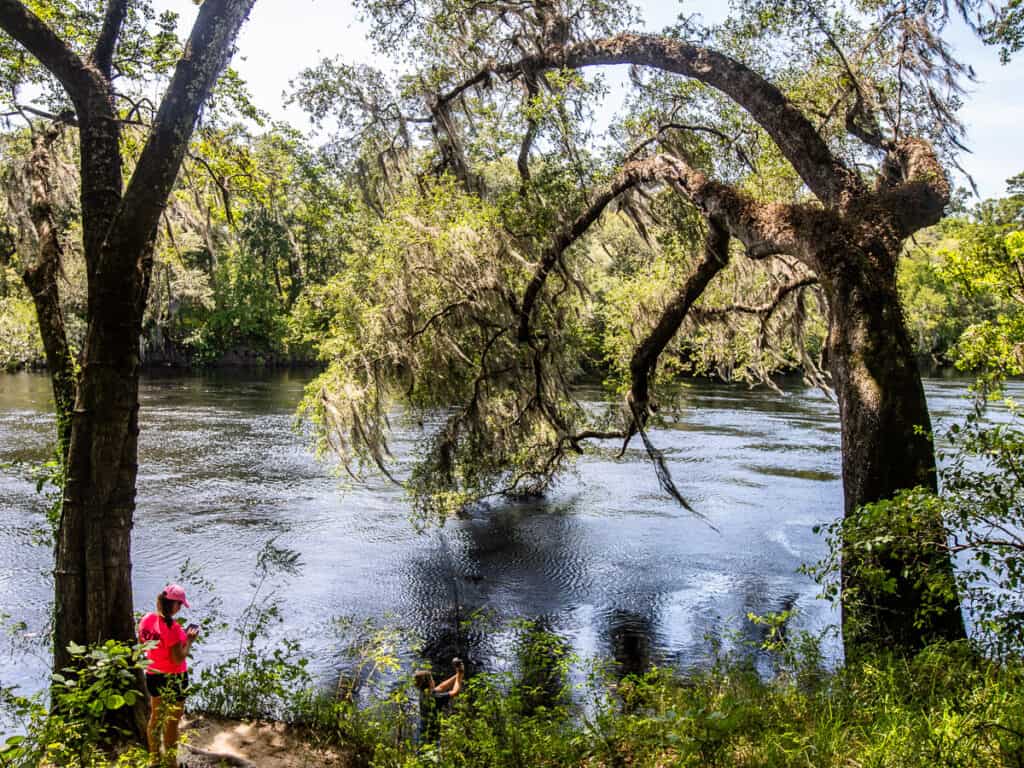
{"x":945,"y":707}
{"x":948,"y":706}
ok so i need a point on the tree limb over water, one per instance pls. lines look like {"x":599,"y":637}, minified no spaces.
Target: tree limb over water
{"x":495,"y":335}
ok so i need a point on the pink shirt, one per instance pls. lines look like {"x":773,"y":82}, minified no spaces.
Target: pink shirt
{"x":153,"y":627}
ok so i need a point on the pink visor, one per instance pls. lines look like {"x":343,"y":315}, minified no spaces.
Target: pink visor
{"x":176,"y":593}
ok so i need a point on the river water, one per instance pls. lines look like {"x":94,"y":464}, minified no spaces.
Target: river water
{"x":606,"y":561}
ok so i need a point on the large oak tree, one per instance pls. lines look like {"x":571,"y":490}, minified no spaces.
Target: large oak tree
{"x":868,"y":150}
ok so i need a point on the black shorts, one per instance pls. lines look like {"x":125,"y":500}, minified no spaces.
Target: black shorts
{"x":167,"y":686}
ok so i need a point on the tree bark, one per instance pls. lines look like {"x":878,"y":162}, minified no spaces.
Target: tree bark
{"x":41,"y":281}
{"x":31,"y":200}
{"x":886,"y":447}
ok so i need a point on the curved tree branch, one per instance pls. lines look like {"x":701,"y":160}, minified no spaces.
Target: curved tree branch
{"x":763,"y":229}
{"x":91,"y":95}
{"x":106,"y":44}
{"x":764,"y":310}
{"x":729,"y":141}
{"x":637,"y":172}
{"x":222,"y":187}
{"x":645,"y":358}
{"x":824,"y":173}
{"x":67,"y":117}
{"x":53,"y":53}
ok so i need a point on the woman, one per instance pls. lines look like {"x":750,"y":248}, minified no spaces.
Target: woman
{"x":167,"y":673}
{"x":434,"y":699}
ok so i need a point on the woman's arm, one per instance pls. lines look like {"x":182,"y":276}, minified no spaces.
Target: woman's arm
{"x":452,"y":685}
{"x":446,"y":685}
{"x":180,"y":651}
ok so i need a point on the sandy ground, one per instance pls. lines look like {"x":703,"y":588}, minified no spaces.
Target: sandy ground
{"x":213,"y":742}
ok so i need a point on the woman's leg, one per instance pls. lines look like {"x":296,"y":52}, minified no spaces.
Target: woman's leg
{"x":171,"y":717}
{"x":153,"y":728}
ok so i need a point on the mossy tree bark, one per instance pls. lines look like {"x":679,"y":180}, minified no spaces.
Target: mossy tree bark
{"x":886,"y":429}
{"x":31,"y":199}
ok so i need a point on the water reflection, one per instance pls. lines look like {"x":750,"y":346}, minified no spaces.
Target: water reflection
{"x":631,"y":639}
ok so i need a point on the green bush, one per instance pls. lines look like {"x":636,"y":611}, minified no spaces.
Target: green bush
{"x":946,"y":707}
{"x":258,"y":681}
{"x":981,"y":510}
{"x":77,"y":729}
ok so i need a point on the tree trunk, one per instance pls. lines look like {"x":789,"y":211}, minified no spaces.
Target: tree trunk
{"x":41,"y":281}
{"x":40,"y":248}
{"x":93,"y":572}
{"x":93,"y":595}
{"x":887,"y":447}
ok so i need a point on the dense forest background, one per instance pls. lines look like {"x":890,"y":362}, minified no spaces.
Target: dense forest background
{"x":266,"y":228}
{"x":267,"y":223}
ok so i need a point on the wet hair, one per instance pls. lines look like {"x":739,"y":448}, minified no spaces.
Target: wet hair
{"x":165,"y":607}
{"x":423,"y":679}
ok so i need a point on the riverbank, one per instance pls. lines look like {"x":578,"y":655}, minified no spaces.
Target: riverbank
{"x":212,"y":741}
{"x":945,"y":707}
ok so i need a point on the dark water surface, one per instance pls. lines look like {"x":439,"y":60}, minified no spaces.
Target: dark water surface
{"x":607,"y":561}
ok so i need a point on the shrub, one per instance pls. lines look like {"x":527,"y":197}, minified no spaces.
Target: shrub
{"x":258,"y":681}
{"x":78,"y":729}
{"x":981,"y":507}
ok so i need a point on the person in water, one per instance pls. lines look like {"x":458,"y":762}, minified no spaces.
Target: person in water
{"x":167,"y":673}
{"x":434,"y":699}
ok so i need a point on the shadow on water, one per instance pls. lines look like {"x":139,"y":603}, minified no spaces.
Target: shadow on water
{"x":632,"y":639}
{"x":482,"y":573}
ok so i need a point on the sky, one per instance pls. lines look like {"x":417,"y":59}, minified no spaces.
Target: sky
{"x":284,"y":36}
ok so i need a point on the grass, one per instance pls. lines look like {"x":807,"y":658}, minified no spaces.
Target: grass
{"x":946,"y":707}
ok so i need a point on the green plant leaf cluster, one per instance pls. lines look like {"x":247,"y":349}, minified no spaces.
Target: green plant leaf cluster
{"x":75,"y":729}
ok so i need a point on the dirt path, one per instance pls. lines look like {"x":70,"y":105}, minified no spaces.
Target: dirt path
{"x":212,"y":742}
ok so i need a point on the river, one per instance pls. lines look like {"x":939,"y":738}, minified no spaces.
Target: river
{"x":606,"y":560}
